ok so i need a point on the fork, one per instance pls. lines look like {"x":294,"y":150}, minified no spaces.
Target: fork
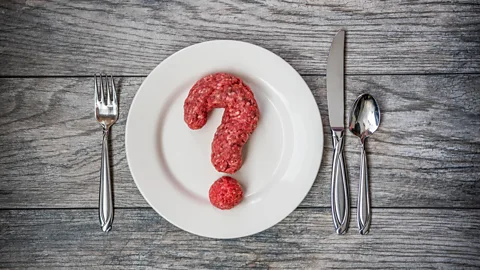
{"x":106,"y":113}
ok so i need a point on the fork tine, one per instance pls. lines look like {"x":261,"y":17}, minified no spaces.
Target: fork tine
{"x":96,"y":88}
{"x":108,"y":89}
{"x":114,"y":91}
{"x":102,"y":90}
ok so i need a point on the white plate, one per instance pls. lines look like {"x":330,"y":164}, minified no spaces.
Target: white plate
{"x":171,"y":163}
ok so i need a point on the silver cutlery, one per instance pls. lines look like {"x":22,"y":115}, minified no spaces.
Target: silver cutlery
{"x":364,"y":121}
{"x":335,"y":92}
{"x":106,"y":113}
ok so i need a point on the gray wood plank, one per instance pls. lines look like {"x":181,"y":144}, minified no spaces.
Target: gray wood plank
{"x":414,"y":239}
{"x":425,"y":153}
{"x":132,"y":37}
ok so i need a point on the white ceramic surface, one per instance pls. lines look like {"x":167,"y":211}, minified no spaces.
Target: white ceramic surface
{"x":171,"y":163}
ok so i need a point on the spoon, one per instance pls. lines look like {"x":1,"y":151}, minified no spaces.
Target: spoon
{"x":364,"y":120}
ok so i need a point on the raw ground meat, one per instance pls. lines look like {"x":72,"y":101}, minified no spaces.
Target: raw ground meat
{"x":223,"y":90}
{"x":225,"y":193}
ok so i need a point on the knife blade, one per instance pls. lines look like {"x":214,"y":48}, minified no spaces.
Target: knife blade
{"x":335,"y":74}
{"x":335,"y":97}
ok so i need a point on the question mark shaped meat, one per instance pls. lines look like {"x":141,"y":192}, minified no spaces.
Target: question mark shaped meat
{"x":223,"y":90}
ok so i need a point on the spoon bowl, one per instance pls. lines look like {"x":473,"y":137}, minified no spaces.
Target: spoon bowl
{"x":365,"y":117}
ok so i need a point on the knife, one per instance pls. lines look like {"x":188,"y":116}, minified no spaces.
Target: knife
{"x":335,"y":91}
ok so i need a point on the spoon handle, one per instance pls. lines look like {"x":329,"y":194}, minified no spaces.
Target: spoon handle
{"x":363,"y":204}
{"x":339,"y":196}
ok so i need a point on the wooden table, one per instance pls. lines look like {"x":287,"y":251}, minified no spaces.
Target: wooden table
{"x":420,"y":59}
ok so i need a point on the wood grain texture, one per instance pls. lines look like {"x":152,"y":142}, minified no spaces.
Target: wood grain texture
{"x":140,"y":238}
{"x":132,"y":37}
{"x":425,"y":153}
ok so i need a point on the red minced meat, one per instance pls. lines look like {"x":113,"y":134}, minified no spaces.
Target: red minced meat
{"x":225,"y":193}
{"x":223,"y":90}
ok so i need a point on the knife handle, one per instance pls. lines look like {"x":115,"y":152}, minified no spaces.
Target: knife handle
{"x":339,"y":196}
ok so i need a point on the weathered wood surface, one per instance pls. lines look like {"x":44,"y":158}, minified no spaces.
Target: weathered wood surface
{"x":425,"y":153}
{"x":424,"y":159}
{"x":132,"y":37}
{"x":414,"y":239}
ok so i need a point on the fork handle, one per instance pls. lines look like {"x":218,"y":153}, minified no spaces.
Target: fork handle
{"x":105,"y":209}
